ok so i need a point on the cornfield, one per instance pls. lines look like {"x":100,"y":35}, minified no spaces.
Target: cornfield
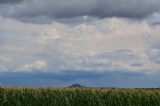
{"x":78,"y":97}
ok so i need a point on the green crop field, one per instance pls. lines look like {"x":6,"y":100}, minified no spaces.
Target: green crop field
{"x":78,"y":97}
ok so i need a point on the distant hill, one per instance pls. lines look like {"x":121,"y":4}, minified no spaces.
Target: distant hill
{"x":77,"y":86}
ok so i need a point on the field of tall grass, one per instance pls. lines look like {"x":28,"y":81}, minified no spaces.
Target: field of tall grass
{"x":78,"y":97}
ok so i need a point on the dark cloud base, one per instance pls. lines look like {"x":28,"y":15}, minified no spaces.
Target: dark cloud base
{"x":9,"y":1}
{"x":32,"y":10}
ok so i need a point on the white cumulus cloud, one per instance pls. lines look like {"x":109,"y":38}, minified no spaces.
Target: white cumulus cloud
{"x":37,"y":65}
{"x":3,"y":68}
{"x":111,"y":44}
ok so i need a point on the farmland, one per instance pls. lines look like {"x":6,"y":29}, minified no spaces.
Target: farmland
{"x":78,"y":97}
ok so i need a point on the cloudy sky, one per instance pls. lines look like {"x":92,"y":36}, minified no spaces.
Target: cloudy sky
{"x":99,"y":43}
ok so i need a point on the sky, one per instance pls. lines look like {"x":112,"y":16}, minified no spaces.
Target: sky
{"x":96,"y":43}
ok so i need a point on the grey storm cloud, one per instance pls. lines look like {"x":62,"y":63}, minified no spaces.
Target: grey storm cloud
{"x":74,"y":8}
{"x":9,"y":1}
